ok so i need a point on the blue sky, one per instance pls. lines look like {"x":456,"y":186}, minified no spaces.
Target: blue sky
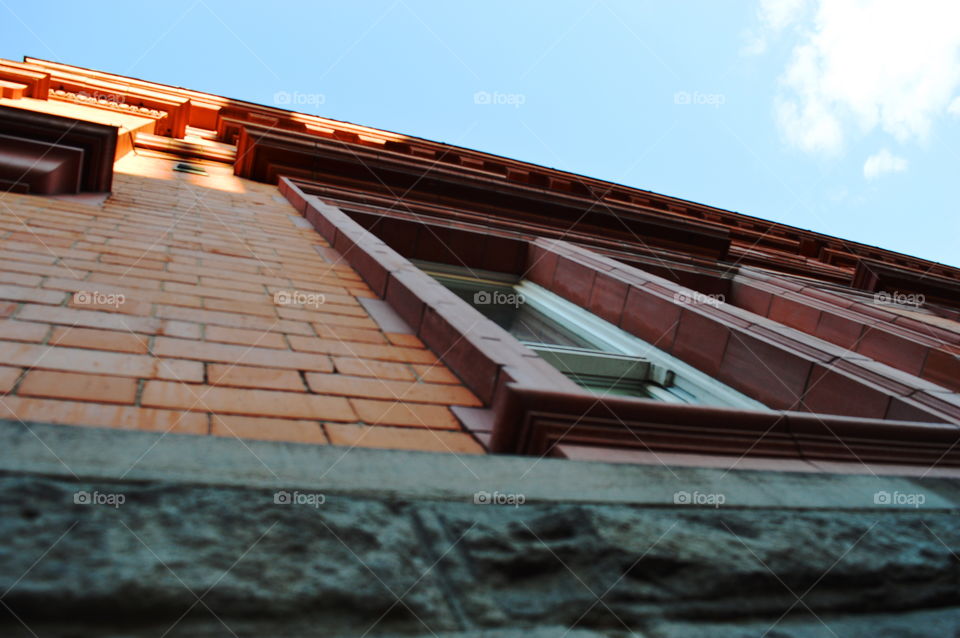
{"x":843,"y":118}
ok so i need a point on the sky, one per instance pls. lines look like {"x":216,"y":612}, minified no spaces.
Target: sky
{"x":842,"y":117}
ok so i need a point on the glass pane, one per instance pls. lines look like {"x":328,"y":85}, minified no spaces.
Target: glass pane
{"x":505,"y":307}
{"x":533,"y":326}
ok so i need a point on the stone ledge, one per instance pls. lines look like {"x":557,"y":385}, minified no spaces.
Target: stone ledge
{"x":200,"y":539}
{"x":136,"y":567}
{"x":120,"y":455}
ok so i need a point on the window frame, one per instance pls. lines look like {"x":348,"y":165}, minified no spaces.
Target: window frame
{"x":534,"y":409}
{"x":662,"y":377}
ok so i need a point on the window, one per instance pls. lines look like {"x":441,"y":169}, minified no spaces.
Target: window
{"x":594,"y":353}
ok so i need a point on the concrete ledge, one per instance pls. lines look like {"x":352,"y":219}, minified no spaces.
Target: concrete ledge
{"x":119,"y":455}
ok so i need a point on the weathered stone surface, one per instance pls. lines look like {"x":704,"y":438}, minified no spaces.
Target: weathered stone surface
{"x":711,"y":564}
{"x":216,"y":560}
{"x":238,"y":551}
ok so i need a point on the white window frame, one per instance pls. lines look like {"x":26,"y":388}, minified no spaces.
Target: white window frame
{"x":701,"y":387}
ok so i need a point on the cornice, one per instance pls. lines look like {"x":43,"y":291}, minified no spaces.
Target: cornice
{"x":751,"y":240}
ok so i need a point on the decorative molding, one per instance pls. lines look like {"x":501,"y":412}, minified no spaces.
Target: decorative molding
{"x":545,"y":419}
{"x":53,"y":155}
{"x":212,"y":151}
{"x":878,"y":276}
{"x":24,"y":80}
{"x":106,"y":101}
{"x":266,"y":153}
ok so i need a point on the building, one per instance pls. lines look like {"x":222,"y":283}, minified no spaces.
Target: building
{"x":178,"y":263}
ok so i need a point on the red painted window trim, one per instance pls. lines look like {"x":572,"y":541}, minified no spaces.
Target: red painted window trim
{"x":535,"y":407}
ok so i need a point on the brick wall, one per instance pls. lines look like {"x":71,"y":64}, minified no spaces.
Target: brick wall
{"x":201,"y":305}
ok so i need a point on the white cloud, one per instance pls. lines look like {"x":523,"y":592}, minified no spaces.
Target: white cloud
{"x":954,"y":108}
{"x":774,"y":17}
{"x":779,"y":14}
{"x":883,"y":162}
{"x":864,"y":65}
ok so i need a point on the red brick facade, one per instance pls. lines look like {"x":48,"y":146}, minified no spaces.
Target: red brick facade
{"x":235,"y":298}
{"x":187,"y":336}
